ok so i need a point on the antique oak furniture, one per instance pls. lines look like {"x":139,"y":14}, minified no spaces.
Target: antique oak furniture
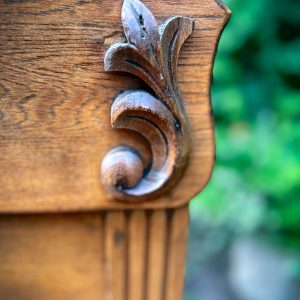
{"x":106,"y":134}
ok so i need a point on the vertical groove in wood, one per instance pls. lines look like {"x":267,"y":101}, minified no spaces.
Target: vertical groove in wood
{"x":156,"y":255}
{"x":102,"y":255}
{"x":177,"y":254}
{"x":115,"y":256}
{"x":137,"y":235}
{"x":145,"y":254}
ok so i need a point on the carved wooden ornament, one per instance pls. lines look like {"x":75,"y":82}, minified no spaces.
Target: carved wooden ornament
{"x":151,"y":53}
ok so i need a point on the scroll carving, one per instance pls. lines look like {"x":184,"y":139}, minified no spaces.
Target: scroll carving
{"x":150,"y":53}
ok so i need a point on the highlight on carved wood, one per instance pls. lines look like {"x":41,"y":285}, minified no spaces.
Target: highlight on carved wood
{"x":150,"y":52}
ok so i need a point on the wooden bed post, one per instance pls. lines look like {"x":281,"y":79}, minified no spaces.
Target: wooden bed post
{"x":106,"y":134}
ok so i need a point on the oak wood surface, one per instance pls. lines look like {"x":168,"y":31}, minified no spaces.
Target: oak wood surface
{"x":130,"y":255}
{"x":55,"y":101}
{"x":137,"y":247}
{"x":176,"y":254}
{"x":115,"y":256}
{"x":51,"y":257}
{"x":156,"y":260}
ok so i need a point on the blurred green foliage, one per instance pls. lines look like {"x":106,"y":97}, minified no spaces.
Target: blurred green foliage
{"x":255,"y":188}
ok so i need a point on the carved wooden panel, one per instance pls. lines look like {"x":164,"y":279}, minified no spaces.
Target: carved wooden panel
{"x":78,"y":133}
{"x":56,"y":99}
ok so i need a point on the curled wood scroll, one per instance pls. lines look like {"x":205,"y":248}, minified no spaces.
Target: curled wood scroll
{"x":151,"y":53}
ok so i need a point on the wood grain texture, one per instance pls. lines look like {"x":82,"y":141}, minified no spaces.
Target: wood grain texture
{"x":156,"y":266}
{"x":176,"y":254}
{"x":131,"y":255}
{"x":55,"y":101}
{"x":115,"y":256}
{"x":137,"y":247}
{"x":51,"y":257}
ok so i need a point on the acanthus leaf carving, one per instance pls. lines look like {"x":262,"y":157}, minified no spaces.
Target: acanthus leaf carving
{"x":150,"y":53}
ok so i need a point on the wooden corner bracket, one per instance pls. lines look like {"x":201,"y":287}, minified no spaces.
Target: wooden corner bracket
{"x":150,"y":53}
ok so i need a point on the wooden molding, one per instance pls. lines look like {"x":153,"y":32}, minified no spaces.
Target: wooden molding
{"x":150,"y":53}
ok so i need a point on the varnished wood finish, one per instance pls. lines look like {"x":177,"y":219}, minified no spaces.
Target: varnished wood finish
{"x":151,"y":53}
{"x":51,"y":257}
{"x":115,"y":256}
{"x":156,"y":260}
{"x":137,"y":247}
{"x":176,"y":254}
{"x":128,"y":255}
{"x":56,"y":98}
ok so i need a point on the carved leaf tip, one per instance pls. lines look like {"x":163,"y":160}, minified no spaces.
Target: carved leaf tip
{"x":177,"y":22}
{"x":140,"y":27}
{"x":111,"y":56}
